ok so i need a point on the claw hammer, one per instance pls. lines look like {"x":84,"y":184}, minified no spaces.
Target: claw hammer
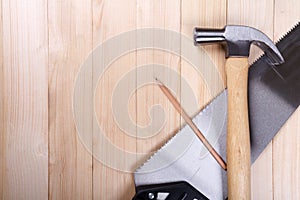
{"x":237,"y":41}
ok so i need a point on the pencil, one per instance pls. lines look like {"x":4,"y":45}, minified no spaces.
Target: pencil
{"x":193,"y":126}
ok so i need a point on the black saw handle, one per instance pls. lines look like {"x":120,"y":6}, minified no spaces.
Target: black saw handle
{"x":168,"y":191}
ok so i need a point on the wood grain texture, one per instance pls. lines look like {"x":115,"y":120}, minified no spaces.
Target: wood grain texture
{"x":2,"y":119}
{"x":110,"y":19}
{"x":238,"y":136}
{"x":157,"y":126}
{"x":203,"y":14}
{"x":70,"y":41}
{"x":42,"y":45}
{"x":286,"y":144}
{"x":286,"y":149}
{"x":262,"y":175}
{"x":24,"y":132}
{"x":246,"y":13}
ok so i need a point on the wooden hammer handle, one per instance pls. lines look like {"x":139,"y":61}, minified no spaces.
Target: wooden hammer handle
{"x":238,"y":138}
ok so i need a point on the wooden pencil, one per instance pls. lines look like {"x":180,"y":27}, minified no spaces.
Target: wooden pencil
{"x":193,"y":126}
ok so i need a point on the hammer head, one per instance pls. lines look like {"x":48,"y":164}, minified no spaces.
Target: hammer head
{"x":237,"y":40}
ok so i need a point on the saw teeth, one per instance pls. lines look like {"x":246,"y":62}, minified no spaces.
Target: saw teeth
{"x":283,"y":37}
{"x":144,"y":163}
{"x":288,"y":32}
{"x":204,"y":110}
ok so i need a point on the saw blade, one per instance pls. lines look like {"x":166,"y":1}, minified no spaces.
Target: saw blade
{"x":181,"y":158}
{"x":273,"y":97}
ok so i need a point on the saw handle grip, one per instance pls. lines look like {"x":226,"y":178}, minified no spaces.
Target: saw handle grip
{"x":238,"y":138}
{"x":173,"y":191}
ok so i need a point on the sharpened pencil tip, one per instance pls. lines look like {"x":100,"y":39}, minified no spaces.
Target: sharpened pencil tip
{"x":158,"y":81}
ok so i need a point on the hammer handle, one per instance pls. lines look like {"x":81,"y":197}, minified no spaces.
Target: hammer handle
{"x":238,"y":138}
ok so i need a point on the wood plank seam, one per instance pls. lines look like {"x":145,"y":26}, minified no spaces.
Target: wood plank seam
{"x":2,"y":110}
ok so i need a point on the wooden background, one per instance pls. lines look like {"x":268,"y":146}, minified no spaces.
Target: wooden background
{"x":44,"y":42}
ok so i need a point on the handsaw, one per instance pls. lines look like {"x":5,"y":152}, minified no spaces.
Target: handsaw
{"x":180,"y":170}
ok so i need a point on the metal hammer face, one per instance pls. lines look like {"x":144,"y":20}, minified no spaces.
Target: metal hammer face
{"x":237,"y":41}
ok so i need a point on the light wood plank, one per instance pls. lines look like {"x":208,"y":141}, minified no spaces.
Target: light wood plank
{"x":24,"y":101}
{"x":286,"y":165}
{"x":286,"y":153}
{"x":2,"y":121}
{"x":258,"y":14}
{"x":206,"y":75}
{"x":70,"y":41}
{"x":262,"y":175}
{"x":111,"y":18}
{"x":159,"y":127}
{"x":24,"y":134}
{"x":286,"y":16}
{"x":209,"y":14}
{"x":286,"y":145}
